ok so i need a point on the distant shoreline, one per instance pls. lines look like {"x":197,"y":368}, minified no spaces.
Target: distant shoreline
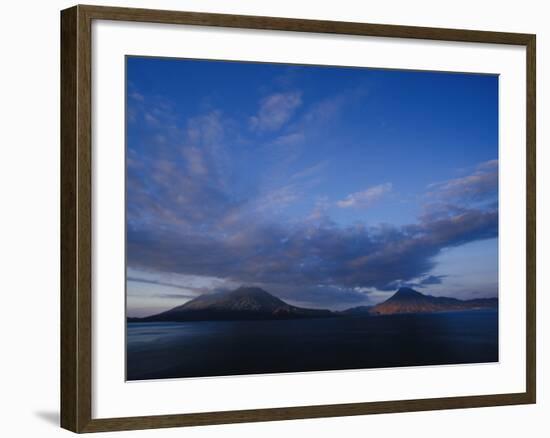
{"x":337,"y":314}
{"x":254,"y":303}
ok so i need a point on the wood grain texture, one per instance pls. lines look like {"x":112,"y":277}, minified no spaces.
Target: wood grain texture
{"x":299,"y":25}
{"x":69,"y":327}
{"x":531,"y":286}
{"x":303,"y":412}
{"x":76,"y":219}
{"x":76,"y":186}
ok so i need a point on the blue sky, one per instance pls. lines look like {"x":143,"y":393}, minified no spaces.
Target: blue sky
{"x":327,"y":186}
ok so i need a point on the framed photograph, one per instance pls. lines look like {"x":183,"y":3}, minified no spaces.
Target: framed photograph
{"x":270,"y":218}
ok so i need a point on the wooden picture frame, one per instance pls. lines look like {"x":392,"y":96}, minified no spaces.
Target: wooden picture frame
{"x":76,"y":218}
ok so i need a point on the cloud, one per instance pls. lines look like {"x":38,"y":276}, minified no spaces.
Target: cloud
{"x":365,"y":198}
{"x":291,"y":139}
{"x":190,"y":223}
{"x":186,"y":218}
{"x":309,"y":171}
{"x":432,"y":279}
{"x":150,"y":118}
{"x":277,"y":198}
{"x":481,"y":185}
{"x":305,"y":256}
{"x":181,"y":179}
{"x":154,"y":282}
{"x":329,"y":108}
{"x":136,"y":96}
{"x":419,"y":284}
{"x":195,"y":161}
{"x":154,"y":110}
{"x":321,"y":296}
{"x":275,"y":110}
{"x":206,"y":130}
{"x":314,"y":125}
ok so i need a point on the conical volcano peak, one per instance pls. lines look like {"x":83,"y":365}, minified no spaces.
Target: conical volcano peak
{"x":245,"y":302}
{"x":407,"y":292}
{"x":408,"y":300}
{"x":251,"y":290}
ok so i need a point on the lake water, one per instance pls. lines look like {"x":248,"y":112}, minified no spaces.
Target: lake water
{"x":217,"y":348}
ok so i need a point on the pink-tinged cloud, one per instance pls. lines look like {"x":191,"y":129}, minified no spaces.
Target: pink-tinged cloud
{"x":365,"y":198}
{"x":275,"y":110}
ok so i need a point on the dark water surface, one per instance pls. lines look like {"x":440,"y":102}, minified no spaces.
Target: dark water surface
{"x":217,"y":348}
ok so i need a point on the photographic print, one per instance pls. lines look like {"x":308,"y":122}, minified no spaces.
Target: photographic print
{"x":294,"y":218}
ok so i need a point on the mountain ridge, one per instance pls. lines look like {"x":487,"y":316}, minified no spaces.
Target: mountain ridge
{"x":242,"y":303}
{"x":407,"y":300}
{"x":246,"y":303}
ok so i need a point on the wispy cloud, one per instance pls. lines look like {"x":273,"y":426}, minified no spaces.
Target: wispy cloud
{"x":479,"y":185}
{"x":275,"y":110}
{"x":421,"y":283}
{"x":195,"y":160}
{"x":432,"y":279}
{"x":365,"y":198}
{"x":136,"y":96}
{"x":181,"y":180}
{"x":277,"y":198}
{"x":194,"y":285}
{"x":310,"y":171}
{"x":311,"y":126}
{"x":291,"y":139}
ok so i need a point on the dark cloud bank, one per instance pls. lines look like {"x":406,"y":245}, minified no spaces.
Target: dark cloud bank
{"x":304,"y":255}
